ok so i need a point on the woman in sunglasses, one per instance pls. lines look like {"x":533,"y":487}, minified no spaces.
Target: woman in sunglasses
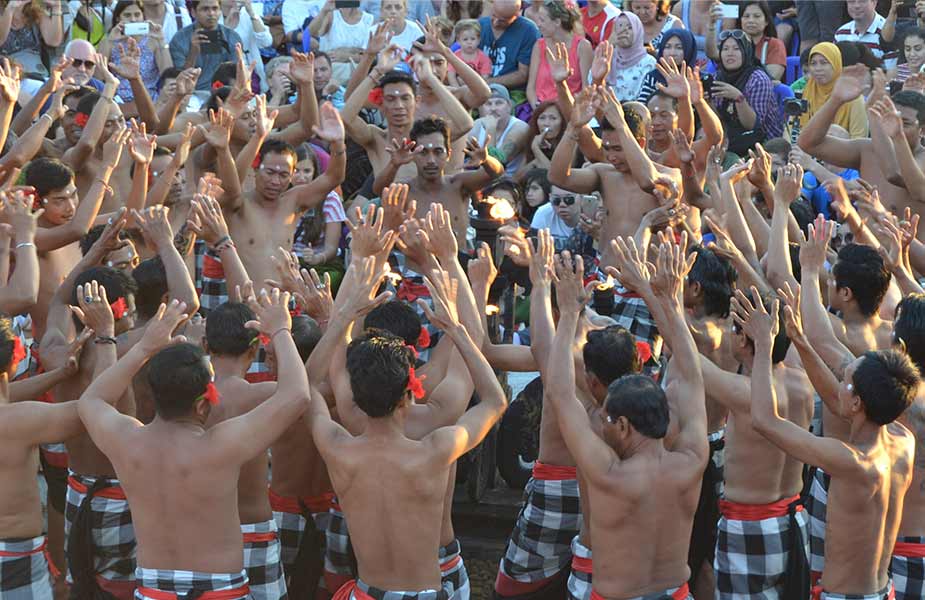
{"x":743,"y":94}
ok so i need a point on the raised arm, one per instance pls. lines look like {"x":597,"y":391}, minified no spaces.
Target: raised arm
{"x":155,"y":226}
{"x":330,"y":130}
{"x":30,"y":142}
{"x":20,"y":292}
{"x":480,"y":167}
{"x":724,"y":198}
{"x":814,"y":138}
{"x":158,"y":192}
{"x":77,"y":156}
{"x":887,"y":126}
{"x":787,"y":190}
{"x":245,"y":159}
{"x":561,"y":173}
{"x":458,"y":116}
{"x":361,"y":132}
{"x":9,"y":93}
{"x":218,"y":135}
{"x":541,"y":322}
{"x":827,"y":453}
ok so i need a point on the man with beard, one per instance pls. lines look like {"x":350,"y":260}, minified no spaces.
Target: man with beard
{"x":509,"y":134}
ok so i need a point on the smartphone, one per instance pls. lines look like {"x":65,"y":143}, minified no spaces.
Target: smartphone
{"x":590,"y":203}
{"x":346,"y":3}
{"x":214,"y":45}
{"x":729,"y":11}
{"x":136,"y":29}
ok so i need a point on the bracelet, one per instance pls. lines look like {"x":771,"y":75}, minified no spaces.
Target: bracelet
{"x":24,"y":245}
{"x":273,"y":335}
{"x":105,"y":339}
{"x":50,"y":119}
{"x":221,"y":240}
{"x":224,"y":246}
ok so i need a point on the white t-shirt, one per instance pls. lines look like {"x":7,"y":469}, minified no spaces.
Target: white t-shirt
{"x":295,"y":12}
{"x":346,"y":35}
{"x":546,"y":217}
{"x":407,"y":37}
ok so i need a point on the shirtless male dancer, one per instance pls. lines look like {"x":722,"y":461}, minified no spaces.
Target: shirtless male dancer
{"x":870,"y":472}
{"x":397,"y":541}
{"x":429,"y":148}
{"x":174,"y":467}
{"x":650,"y":486}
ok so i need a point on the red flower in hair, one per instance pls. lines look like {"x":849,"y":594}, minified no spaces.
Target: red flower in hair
{"x":118,"y":308}
{"x":217,"y":85}
{"x":81,"y":119}
{"x":415,"y":384}
{"x":423,"y":339}
{"x":19,"y":353}
{"x":256,"y":162}
{"x":210,"y":395}
{"x":375,"y":96}
{"x":644,"y":351}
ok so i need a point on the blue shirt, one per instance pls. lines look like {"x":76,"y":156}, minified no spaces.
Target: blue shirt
{"x":514,"y":47}
{"x":180,"y":48}
{"x":816,"y":193}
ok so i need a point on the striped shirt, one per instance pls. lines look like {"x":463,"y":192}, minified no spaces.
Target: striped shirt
{"x":870,"y":38}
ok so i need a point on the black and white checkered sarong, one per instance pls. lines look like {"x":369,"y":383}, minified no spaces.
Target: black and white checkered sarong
{"x":24,"y":570}
{"x":453,"y":571}
{"x":579,"y":580}
{"x":347,"y":592}
{"x":816,"y":507}
{"x":908,"y":572}
{"x":183,"y":582}
{"x":262,"y":561}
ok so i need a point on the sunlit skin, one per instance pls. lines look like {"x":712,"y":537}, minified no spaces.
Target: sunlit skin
{"x":60,"y":206}
{"x":273,"y":176}
{"x":550,"y":122}
{"x":664,"y":116}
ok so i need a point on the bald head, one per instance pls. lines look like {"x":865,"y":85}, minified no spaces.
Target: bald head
{"x":83,"y":54}
{"x":504,"y":12}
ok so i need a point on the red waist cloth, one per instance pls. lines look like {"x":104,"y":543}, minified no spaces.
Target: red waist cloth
{"x":582,"y":565}
{"x":817,"y":590}
{"x":241,"y":592}
{"x":909,"y":550}
{"x":757,"y":512}
{"x":507,"y":586}
{"x":449,"y":566}
{"x":55,"y":459}
{"x":553,"y":472}
{"x":267,"y":536}
{"x":113,"y":492}
{"x":680,"y":594}
{"x":259,"y":377}
{"x":290,"y":504}
{"x":5,"y":554}
{"x":409,"y":291}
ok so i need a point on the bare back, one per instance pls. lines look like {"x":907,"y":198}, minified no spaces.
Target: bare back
{"x":913,"y":522}
{"x":298,"y":470}
{"x":54,"y":267}
{"x":20,"y":505}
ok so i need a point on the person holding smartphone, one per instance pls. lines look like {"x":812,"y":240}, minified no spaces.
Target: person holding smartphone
{"x":205,"y":44}
{"x":129,"y":23}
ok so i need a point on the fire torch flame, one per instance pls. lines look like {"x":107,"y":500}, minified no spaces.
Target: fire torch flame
{"x":492,"y":309}
{"x":501,"y":209}
{"x":606,"y":285}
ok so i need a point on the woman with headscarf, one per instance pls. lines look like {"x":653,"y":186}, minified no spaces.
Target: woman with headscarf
{"x":825,"y":67}
{"x":743,"y":94}
{"x":631,"y":62}
{"x":678,"y":44}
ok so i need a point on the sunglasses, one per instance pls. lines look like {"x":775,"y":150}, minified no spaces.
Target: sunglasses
{"x":83,"y":63}
{"x":736,"y":34}
{"x":567,"y":200}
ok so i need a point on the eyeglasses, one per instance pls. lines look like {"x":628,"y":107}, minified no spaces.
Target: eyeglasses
{"x":78,"y":63}
{"x":736,"y":34}
{"x":567,"y":200}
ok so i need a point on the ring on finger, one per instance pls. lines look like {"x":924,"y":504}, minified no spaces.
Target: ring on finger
{"x":88,"y":299}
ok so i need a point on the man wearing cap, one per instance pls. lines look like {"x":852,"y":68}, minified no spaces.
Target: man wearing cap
{"x":508,"y":136}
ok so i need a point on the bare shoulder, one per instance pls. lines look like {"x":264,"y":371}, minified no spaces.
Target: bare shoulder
{"x":241,"y":396}
{"x":899,"y":433}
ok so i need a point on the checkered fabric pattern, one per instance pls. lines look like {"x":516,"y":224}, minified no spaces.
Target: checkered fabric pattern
{"x":908,"y":572}
{"x":348,"y":592}
{"x":631,"y":312}
{"x":751,"y":556}
{"x":884,"y":594}
{"x":541,"y":544}
{"x":290,"y":527}
{"x":110,"y":522}
{"x":453,"y":571}
{"x":579,"y":581}
{"x":24,"y":570}
{"x":338,"y":552}
{"x":209,"y":278}
{"x":816,"y":507}
{"x":262,"y":561}
{"x":672,"y":594}
{"x":183,"y":582}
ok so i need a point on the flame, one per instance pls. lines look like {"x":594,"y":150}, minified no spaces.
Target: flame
{"x":501,"y":210}
{"x":394,"y":277}
{"x":492,"y":309}
{"x":605,"y":285}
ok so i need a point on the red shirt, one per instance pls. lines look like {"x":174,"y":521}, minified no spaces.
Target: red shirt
{"x":599,"y":28}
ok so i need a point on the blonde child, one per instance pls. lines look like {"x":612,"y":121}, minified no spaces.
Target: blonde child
{"x":468,"y":34}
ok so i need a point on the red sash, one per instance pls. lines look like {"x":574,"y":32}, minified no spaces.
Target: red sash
{"x":409,"y":291}
{"x":909,"y":550}
{"x":267,"y":536}
{"x":757,"y":512}
{"x":290,"y":504}
{"x":680,"y":594}
{"x":553,"y":472}
{"x":113,"y":492}
{"x":818,"y":590}
{"x":234,"y":594}
{"x":5,"y":554}
{"x":449,"y":566}
{"x":345,"y":591}
{"x":581,"y":564}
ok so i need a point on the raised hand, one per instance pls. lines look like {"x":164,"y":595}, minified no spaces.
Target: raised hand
{"x":672,"y":267}
{"x":104,"y":73}
{"x":476,"y":154}
{"x":676,"y":83}
{"x":209,"y":224}
{"x":410,"y":242}
{"x":185,"y":83}
{"x":887,"y":117}
{"x":515,"y":245}
{"x":891,"y":248}
{"x":287,"y":267}
{"x":612,"y":107}
{"x":760,"y":173}
{"x":272,"y":311}
{"x":112,"y":149}
{"x":789,"y":184}
{"x":16,"y":210}
{"x":682,"y":146}
{"x":57,"y":109}
{"x":424,"y":70}
{"x":264,"y":121}
{"x":482,"y":270}
{"x":314,"y":295}
{"x":736,"y":172}
{"x":571,"y":295}
{"x":587,"y":103}
{"x":93,"y":309}
{"x":302,"y":69}
{"x":370,"y":238}
{"x":714,"y":165}
{"x":443,"y":293}
{"x":915,"y":83}
{"x":695,"y":84}
{"x":109,"y":240}
{"x":793,"y":322}
{"x":218,"y":132}
{"x":379,"y":38}
{"x":155,"y":226}
{"x":331,"y":127}
{"x":850,"y":84}
{"x":601,"y":61}
{"x":557,"y":57}
{"x":388,"y":58}
{"x":757,"y":323}
{"x":141,"y":145}
{"x":75,"y":349}
{"x":541,"y":258}
{"x":396,"y":207}
{"x":813,"y":249}
{"x":630,"y":269}
{"x":369,"y":277}
{"x":129,"y":66}
{"x":432,"y":40}
{"x":402,"y":152}
{"x":439,"y":238}
{"x":10,"y":75}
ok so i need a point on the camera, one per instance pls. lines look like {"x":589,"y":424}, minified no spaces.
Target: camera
{"x":136,"y":29}
{"x":794,"y":107}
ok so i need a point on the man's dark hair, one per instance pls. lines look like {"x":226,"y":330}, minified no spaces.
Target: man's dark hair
{"x":151,"y":278}
{"x":887,"y":382}
{"x":279,"y":147}
{"x":324,"y":55}
{"x":306,"y":333}
{"x":909,"y":328}
{"x":778,"y":146}
{"x":226,"y":334}
{"x":610,"y":353}
{"x":398,"y":76}
{"x":117,"y":285}
{"x":7,"y":342}
{"x":803,"y":213}
{"x":226,"y":72}
{"x":912,"y":100}
{"x":221,"y":93}
{"x":430,"y":125}
{"x":781,"y":341}
{"x":716,"y":277}
{"x":642,"y":402}
{"x":396,"y":317}
{"x":47,"y":175}
{"x":168,"y":73}
{"x":633,"y":121}
{"x":178,"y":375}
{"x":378,"y":364}
{"x":88,"y":102}
{"x":860,"y":268}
